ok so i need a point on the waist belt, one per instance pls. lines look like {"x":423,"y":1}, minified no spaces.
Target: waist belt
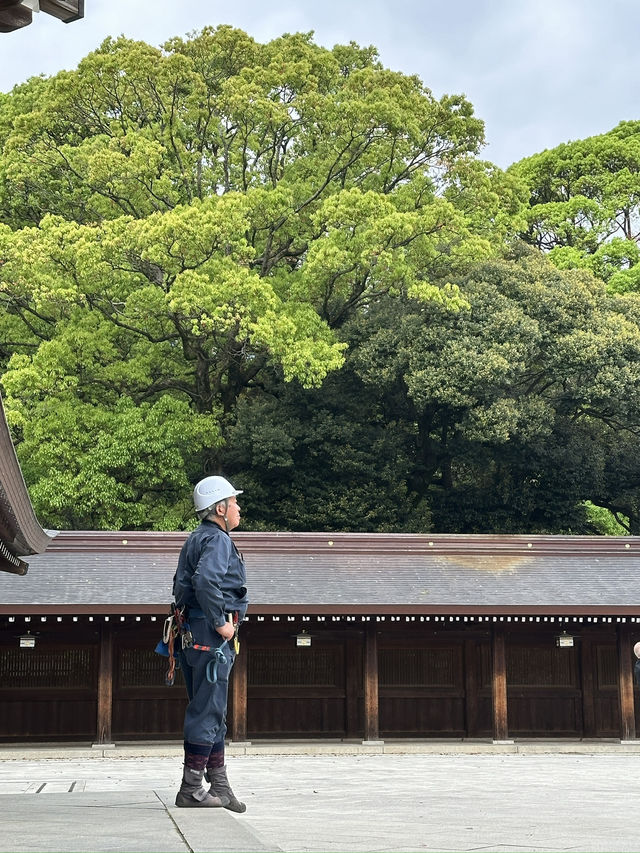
{"x":231,"y":616}
{"x":196,"y":613}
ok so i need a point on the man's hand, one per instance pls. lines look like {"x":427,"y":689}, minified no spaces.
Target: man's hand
{"x":227,"y":631}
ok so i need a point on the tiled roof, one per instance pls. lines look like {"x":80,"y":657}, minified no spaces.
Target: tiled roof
{"x":105,"y":572}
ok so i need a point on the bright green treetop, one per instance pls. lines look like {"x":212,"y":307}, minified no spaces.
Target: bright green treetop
{"x":585,"y":204}
{"x":179,"y":220}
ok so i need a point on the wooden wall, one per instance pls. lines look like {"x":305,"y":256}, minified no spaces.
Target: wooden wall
{"x":100,"y":682}
{"x":50,"y":692}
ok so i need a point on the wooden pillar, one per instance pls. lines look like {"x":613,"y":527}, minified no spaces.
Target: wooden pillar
{"x":471,"y":687}
{"x":353,"y":680}
{"x":499,"y":686}
{"x":625,"y":684}
{"x":589,"y":728}
{"x":371,"y":713}
{"x":239,"y":684}
{"x":105,"y":684}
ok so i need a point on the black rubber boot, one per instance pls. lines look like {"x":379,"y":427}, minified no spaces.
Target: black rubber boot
{"x":192,"y":794}
{"x":220,"y":788}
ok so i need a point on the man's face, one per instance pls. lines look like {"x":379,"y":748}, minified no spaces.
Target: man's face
{"x":232,"y":513}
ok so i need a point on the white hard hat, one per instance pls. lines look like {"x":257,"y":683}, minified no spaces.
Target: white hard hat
{"x":210,"y":491}
{"x":636,"y":650}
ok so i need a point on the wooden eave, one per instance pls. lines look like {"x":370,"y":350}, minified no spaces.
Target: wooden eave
{"x":327,"y":610}
{"x":66,"y":11}
{"x":20,"y":532}
{"x":15,"y":15}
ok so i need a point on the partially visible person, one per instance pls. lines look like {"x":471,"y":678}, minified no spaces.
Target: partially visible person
{"x":209,"y":588}
{"x":636,"y":668}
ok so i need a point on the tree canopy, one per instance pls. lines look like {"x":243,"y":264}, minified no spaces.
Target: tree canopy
{"x":503,"y":416}
{"x":289,"y":264}
{"x":179,"y":220}
{"x":585,"y":204}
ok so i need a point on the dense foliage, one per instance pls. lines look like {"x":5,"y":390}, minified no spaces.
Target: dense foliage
{"x":503,"y":416}
{"x":585,"y":204}
{"x":288,"y":264}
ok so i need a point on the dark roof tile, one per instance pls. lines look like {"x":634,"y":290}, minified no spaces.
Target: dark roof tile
{"x":324,"y":573}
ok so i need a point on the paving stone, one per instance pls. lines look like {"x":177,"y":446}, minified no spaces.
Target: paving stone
{"x":392,"y":802}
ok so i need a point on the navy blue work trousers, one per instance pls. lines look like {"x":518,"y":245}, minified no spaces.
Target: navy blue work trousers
{"x":206,"y":713}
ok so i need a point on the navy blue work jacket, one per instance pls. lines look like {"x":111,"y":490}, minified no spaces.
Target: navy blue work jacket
{"x":211,"y":575}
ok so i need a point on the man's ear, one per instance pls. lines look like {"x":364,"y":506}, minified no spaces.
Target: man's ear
{"x":221,"y":509}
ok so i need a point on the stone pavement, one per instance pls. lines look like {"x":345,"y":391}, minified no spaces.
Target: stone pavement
{"x":428,"y":797}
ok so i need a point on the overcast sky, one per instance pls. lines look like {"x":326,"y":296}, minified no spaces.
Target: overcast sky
{"x":538,"y":72}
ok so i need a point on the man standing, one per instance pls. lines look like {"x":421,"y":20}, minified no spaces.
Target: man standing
{"x":209,"y":587}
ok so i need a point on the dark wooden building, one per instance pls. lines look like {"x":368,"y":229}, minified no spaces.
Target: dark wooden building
{"x":349,"y":636}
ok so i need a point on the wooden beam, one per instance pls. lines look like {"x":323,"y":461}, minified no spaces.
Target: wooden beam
{"x":105,"y":684}
{"x":625,"y":684}
{"x":66,"y":10}
{"x":499,"y":686}
{"x":371,"y":711}
{"x":10,"y":563}
{"x":239,"y":681}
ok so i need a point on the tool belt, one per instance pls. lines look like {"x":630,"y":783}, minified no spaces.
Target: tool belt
{"x":175,"y":628}
{"x":219,"y":656}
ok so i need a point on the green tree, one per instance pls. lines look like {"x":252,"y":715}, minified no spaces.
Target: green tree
{"x":518,"y":409}
{"x":181,"y":222}
{"x":584,"y":204}
{"x":605,"y":522}
{"x":324,"y":459}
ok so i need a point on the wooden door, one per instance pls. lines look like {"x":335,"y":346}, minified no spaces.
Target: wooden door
{"x":543,"y":689}
{"x":422,"y":688}
{"x":48,"y":693}
{"x":297,"y":691}
{"x":143,"y":706}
